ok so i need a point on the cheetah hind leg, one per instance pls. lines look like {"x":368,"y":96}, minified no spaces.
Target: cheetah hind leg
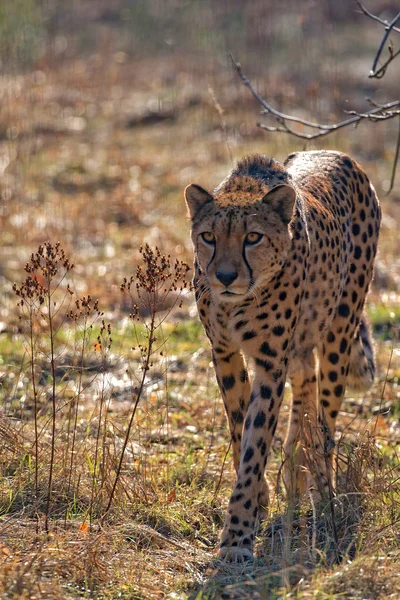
{"x":296,"y":473}
{"x":362,"y":361}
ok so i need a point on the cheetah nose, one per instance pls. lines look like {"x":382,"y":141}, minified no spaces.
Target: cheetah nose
{"x":226,"y":277}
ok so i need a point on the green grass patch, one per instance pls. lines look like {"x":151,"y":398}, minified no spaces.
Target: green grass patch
{"x":385,"y":320}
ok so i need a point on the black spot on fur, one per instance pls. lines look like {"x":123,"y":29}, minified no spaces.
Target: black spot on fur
{"x":278,"y":330}
{"x":338,"y":391}
{"x":333,"y":358}
{"x":237,"y":416}
{"x":249,"y":335}
{"x":343,"y":310}
{"x":248,"y":455}
{"x":266,"y":392}
{"x":259,"y":421}
{"x":228,"y":381}
{"x":266,"y":364}
{"x":266,"y":349}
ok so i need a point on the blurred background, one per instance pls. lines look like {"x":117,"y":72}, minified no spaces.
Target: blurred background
{"x":108,"y":109}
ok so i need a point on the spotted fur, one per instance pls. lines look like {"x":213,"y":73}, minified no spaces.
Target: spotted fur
{"x":283,"y":261}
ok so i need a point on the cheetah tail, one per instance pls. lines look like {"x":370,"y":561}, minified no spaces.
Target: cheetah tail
{"x":362,"y":360}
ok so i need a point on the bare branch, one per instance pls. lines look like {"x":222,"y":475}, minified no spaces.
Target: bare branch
{"x":375,"y":17}
{"x":380,"y":72}
{"x":380,"y":112}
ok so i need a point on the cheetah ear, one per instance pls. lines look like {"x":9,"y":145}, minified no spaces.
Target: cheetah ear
{"x":281,"y":199}
{"x":196,"y":197}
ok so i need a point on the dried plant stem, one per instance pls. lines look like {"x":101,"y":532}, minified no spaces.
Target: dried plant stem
{"x":395,"y":160}
{"x":217,"y":487}
{"x":104,"y":453}
{"x":314,"y":529}
{"x":96,"y":452}
{"x":35,"y":408}
{"x":46,"y":270}
{"x":76,"y":410}
{"x":53,"y":403}
{"x":96,"y":455}
{"x":331,"y":503}
{"x":287,"y":523}
{"x":383,"y":389}
{"x":224,"y":126}
{"x":145,"y":368}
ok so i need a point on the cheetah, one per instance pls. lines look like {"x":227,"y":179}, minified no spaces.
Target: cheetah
{"x":283,"y":259}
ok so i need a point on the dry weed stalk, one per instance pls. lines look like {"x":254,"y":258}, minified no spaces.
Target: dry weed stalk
{"x":103,"y":345}
{"x":46,"y":270}
{"x":156,"y":279}
{"x":156,"y":284}
{"x":85,"y":314}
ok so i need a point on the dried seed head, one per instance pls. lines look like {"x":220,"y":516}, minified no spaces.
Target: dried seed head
{"x":49,"y":262}
{"x":155,"y":277}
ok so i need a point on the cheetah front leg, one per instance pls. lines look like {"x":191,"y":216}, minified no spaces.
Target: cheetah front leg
{"x":234,"y":384}
{"x":237,"y":538}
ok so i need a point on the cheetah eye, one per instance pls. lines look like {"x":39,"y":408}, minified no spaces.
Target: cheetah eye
{"x":208,"y":237}
{"x":253,"y":238}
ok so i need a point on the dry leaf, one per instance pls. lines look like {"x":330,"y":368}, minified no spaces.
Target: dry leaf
{"x":5,"y":550}
{"x":84,"y":527}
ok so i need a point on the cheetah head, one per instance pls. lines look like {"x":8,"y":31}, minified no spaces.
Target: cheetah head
{"x":240,"y":242}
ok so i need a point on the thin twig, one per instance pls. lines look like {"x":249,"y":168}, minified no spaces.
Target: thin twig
{"x":75,"y":408}
{"x":314,"y":528}
{"x":388,"y":28}
{"x":382,"y":69}
{"x":53,"y":404}
{"x":379,"y":73}
{"x":383,"y":389}
{"x":224,"y":126}
{"x":395,"y":161}
{"x":375,"y":17}
{"x":35,"y":407}
{"x":221,"y":472}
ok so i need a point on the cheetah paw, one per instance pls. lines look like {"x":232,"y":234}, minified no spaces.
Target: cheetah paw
{"x":235,"y":554}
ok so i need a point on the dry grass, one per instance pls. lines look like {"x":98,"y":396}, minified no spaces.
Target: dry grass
{"x":98,"y":148}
